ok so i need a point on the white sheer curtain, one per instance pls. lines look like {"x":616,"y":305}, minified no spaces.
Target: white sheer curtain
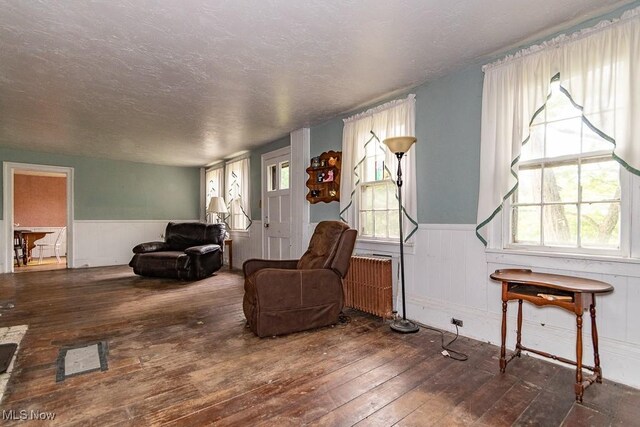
{"x":237,"y":197}
{"x":599,"y":68}
{"x":395,"y":118}
{"x":214,"y":183}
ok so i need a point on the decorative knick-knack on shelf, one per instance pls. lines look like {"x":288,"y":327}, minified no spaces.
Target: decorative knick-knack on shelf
{"x":324,"y":177}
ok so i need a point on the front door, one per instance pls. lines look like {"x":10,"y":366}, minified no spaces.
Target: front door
{"x":276,"y":206}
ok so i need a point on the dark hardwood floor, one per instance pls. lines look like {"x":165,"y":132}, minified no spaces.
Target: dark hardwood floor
{"x":179,"y":353}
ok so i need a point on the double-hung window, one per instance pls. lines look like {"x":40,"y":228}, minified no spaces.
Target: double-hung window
{"x":214,"y":184}
{"x":368,"y":188}
{"x":237,"y":194}
{"x":378,"y":204}
{"x":569,"y":189}
{"x":559,"y":152}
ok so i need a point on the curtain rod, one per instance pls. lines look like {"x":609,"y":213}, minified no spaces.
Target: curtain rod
{"x":379,"y":108}
{"x":563,"y":39}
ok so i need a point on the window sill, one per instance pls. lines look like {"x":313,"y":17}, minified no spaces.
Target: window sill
{"x":597,"y":264}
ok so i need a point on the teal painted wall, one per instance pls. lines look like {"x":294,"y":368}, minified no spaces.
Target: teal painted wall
{"x":120,"y":190}
{"x":448,"y":113}
{"x":448,"y":149}
{"x":255,"y":166}
{"x":325,"y":137}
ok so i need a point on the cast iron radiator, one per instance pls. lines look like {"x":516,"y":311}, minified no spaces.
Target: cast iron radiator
{"x":368,"y":286}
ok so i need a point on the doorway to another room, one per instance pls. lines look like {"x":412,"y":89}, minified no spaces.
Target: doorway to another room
{"x":38,"y":217}
{"x":276,"y":204}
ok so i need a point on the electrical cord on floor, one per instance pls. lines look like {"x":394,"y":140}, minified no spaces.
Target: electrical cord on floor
{"x":447,"y":350}
{"x":344,"y":319}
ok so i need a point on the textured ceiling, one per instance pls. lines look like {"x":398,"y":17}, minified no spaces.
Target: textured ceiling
{"x":187,"y":82}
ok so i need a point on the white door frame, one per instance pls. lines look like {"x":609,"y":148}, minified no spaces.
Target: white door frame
{"x":300,"y":207}
{"x":275,"y":153}
{"x":9,"y":169}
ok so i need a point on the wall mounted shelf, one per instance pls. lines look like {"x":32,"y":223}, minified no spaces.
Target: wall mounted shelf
{"x":324,"y":179}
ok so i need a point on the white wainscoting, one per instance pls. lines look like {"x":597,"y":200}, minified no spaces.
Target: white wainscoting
{"x":109,"y":242}
{"x":3,"y":248}
{"x":449,"y":278}
{"x":247,"y":244}
{"x":102,"y":243}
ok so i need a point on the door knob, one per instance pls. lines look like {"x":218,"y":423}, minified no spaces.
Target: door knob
{"x":266,"y":225}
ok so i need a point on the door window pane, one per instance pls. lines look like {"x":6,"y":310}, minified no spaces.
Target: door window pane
{"x":272,"y":176}
{"x":284,"y":175}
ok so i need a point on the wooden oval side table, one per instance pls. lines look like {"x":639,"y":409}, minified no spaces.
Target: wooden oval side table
{"x":573,"y":294}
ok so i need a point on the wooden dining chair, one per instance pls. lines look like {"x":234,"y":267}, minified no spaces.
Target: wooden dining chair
{"x":18,"y":246}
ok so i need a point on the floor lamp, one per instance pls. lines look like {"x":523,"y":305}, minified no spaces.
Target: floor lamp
{"x":400,"y":145}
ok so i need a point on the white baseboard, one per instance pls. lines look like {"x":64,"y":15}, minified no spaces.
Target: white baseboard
{"x":618,"y":359}
{"x":100,"y":243}
{"x":449,"y":277}
{"x":103,"y":243}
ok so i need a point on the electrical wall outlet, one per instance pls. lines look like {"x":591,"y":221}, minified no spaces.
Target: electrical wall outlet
{"x":456,"y":322}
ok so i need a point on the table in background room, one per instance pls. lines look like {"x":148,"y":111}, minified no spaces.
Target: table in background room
{"x":30,"y":237}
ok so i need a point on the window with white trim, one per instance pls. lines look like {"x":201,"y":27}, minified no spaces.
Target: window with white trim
{"x":368,"y":200}
{"x":214,"y":184}
{"x":237,"y":194}
{"x":378,"y":204}
{"x":569,"y":194}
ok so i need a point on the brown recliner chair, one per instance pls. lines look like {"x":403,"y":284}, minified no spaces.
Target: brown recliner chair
{"x":191,"y":251}
{"x":287,"y":296}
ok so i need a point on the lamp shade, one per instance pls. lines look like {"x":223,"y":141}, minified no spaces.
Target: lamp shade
{"x":400,"y":144}
{"x":217,"y":205}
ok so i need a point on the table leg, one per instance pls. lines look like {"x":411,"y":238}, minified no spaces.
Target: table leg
{"x":519,"y":336}
{"x":579,"y":389}
{"x":25,"y":253}
{"x":503,"y":348}
{"x":594,"y":338}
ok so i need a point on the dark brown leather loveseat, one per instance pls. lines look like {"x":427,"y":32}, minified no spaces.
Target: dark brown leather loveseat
{"x":294,"y":295}
{"x":191,"y":251}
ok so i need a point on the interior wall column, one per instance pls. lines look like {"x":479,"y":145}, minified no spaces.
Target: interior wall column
{"x":300,"y":155}
{"x":203,"y":198}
